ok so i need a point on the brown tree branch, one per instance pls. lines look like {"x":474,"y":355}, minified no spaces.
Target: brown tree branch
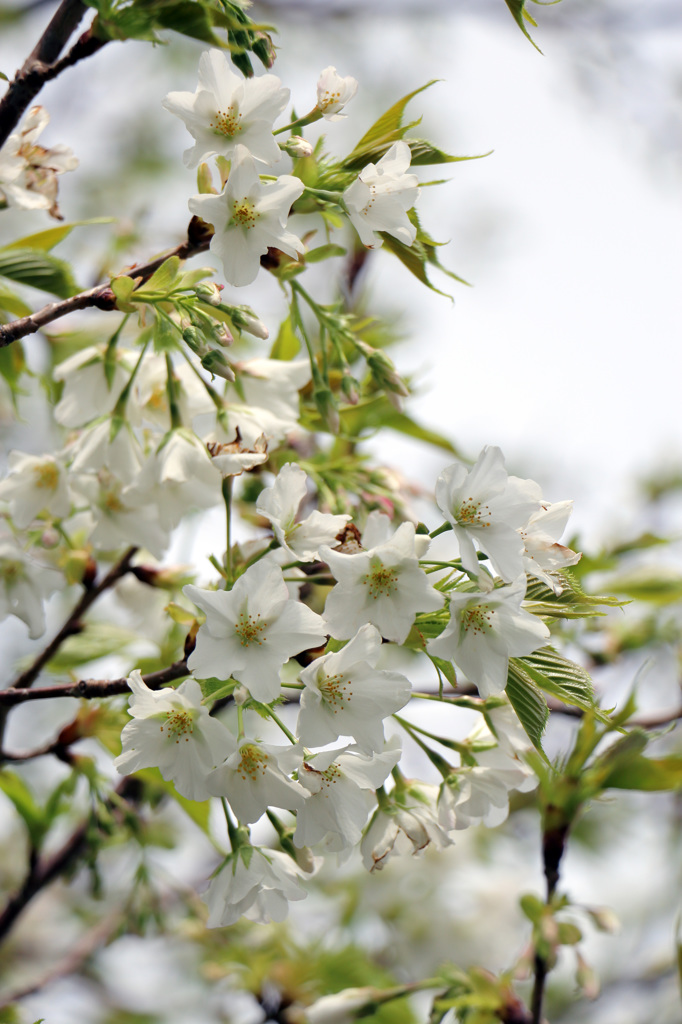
{"x":36,"y":69}
{"x":88,"y":688}
{"x":101,"y":296}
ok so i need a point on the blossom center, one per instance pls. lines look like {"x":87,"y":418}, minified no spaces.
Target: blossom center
{"x":179,"y":724}
{"x":249,"y":629}
{"x":46,"y":476}
{"x":328,"y":99}
{"x":11,"y":570}
{"x":244,"y":213}
{"x":478,"y":620}
{"x":227,"y":122}
{"x":254,"y":762}
{"x":381,"y":580}
{"x":473,"y":513}
{"x":334,"y":690}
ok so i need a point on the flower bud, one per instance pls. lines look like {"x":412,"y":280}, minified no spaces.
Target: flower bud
{"x":298,"y":147}
{"x":217,"y":365}
{"x":209,"y":291}
{"x":244,"y":319}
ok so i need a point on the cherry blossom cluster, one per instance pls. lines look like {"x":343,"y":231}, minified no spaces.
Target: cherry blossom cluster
{"x":315,"y":609}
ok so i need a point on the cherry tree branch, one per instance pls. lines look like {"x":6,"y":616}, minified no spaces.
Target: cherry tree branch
{"x":101,"y":296}
{"x":43,"y":871}
{"x":88,"y":689}
{"x":39,"y":66}
{"x":73,"y":623}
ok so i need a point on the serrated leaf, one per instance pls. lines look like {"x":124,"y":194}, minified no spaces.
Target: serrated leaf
{"x":571,"y":603}
{"x":528,"y":703}
{"x":39,"y":270}
{"x":563,"y":679}
{"x":383,"y":133}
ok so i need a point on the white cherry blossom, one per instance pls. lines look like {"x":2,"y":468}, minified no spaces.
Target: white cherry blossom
{"x":407,"y":825}
{"x":383,"y":585}
{"x":24,"y":585}
{"x":115,"y":520}
{"x":280,"y":504}
{"x":36,"y":483}
{"x":88,"y":391}
{"x":253,"y":883}
{"x":381,"y":195}
{"x":177,"y":477}
{"x":173,"y":732}
{"x":249,"y":217}
{"x":346,"y":695}
{"x":486,"y":504}
{"x":333,"y":93}
{"x":255,"y":776}
{"x":228,"y":110}
{"x":252,"y":630}
{"x":340,"y":783}
{"x":485,"y":630}
{"x":96,"y":449}
{"x":543,"y":554}
{"x":28,"y":172}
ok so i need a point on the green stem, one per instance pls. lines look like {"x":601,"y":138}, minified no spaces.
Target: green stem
{"x":441,"y":529}
{"x":171,"y":390}
{"x":227,"y":498}
{"x":278,"y":721}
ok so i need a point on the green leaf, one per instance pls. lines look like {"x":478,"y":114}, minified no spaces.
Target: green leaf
{"x":446,"y":668}
{"x":563,"y":679}
{"x":520,"y":16}
{"x":38,"y":269}
{"x":12,"y":366}
{"x":287,"y":344}
{"x":11,"y":302}
{"x":98,"y":640}
{"x":383,"y":133}
{"x":377,"y":411}
{"x":189,"y":18}
{"x":324,"y":252}
{"x":162,"y":281}
{"x":659,"y":584}
{"x":16,"y":790}
{"x":4,"y":76}
{"x":528,"y":703}
{"x":46,"y":240}
{"x":644,"y":773}
{"x":197,"y":810}
{"x":424,"y":152}
{"x":216,"y":689}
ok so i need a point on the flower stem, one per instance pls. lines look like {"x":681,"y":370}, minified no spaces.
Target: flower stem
{"x":278,"y":721}
{"x":227,"y":498}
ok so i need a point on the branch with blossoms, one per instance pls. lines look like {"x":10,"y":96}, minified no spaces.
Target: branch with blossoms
{"x":277,"y":676}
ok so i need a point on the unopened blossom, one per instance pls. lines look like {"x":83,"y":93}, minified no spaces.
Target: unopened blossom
{"x":333,"y":93}
{"x":177,"y":477}
{"x":228,"y":110}
{"x":298,"y":147}
{"x":543,"y":555}
{"x":24,"y":585}
{"x":340,"y":784}
{"x":486,"y":505}
{"x":252,"y":630}
{"x":116,"y":520}
{"x":36,"y":483}
{"x":266,"y":400}
{"x":91,"y":389}
{"x":340,"y":1007}
{"x":28,"y":172}
{"x":253,"y":883}
{"x":381,"y":195}
{"x":173,"y":732}
{"x":280,"y":504}
{"x":383,"y":585}
{"x":485,"y":630}
{"x":255,"y":776}
{"x":346,"y":695}
{"x":249,"y":217}
{"x":232,"y":458}
{"x":407,"y":825}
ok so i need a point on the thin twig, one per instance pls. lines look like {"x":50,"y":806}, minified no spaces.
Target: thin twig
{"x":77,"y":956}
{"x":101,"y":296}
{"x":553,"y":847}
{"x":73,"y":623}
{"x":45,"y":870}
{"x":89,"y":689}
{"x":36,"y":69}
